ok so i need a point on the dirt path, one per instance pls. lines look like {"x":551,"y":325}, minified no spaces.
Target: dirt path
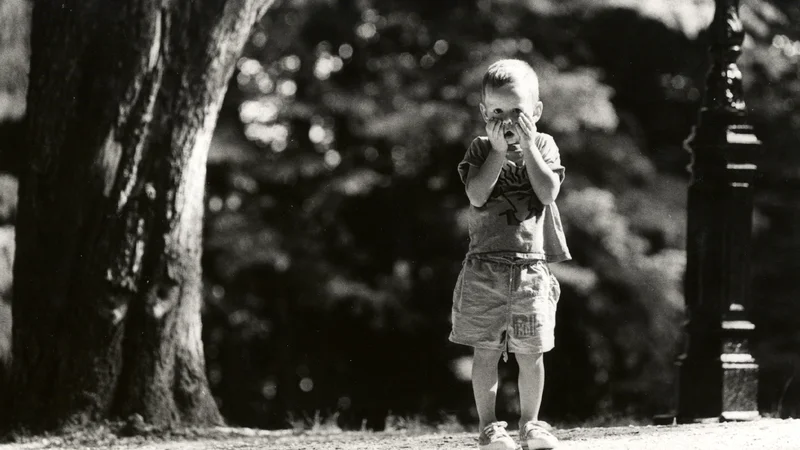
{"x":759,"y":435}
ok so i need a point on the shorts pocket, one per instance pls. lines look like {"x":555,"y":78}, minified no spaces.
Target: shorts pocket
{"x":458,"y":292}
{"x":534,"y":281}
{"x":483,"y":289}
{"x":555,"y":289}
{"x":555,"y":296}
{"x":465,"y":277}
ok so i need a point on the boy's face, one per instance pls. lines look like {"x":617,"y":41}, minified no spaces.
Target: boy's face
{"x":505,"y":103}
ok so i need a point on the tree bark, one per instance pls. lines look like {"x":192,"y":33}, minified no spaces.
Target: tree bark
{"x":14,"y":33}
{"x":123,"y":98}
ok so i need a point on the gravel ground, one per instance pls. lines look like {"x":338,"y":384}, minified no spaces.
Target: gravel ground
{"x":761,"y":435}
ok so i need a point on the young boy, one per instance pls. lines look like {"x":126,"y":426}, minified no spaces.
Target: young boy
{"x":505,"y":297}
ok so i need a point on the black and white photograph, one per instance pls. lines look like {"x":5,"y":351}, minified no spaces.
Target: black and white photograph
{"x":400,"y":224}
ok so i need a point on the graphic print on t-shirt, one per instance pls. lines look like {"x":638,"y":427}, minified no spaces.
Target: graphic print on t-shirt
{"x":514,"y":187}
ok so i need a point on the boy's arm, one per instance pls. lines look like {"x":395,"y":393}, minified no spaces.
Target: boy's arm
{"x":481,"y":180}
{"x":545,"y":182}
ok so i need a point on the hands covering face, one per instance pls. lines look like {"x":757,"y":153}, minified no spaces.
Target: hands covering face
{"x":496,"y":133}
{"x":525,"y":128}
{"x":521,"y":125}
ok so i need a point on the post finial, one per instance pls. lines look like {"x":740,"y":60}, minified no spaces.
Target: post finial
{"x":725,"y":78}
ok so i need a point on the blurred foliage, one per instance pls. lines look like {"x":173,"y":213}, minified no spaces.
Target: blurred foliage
{"x":336,"y":225}
{"x":335,"y":216}
{"x":773,"y":85}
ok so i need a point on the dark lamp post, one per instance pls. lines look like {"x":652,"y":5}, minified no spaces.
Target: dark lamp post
{"x":718,"y":374}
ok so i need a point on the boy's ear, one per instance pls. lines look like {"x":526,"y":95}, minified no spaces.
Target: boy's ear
{"x":483,"y":113}
{"x":537,"y":111}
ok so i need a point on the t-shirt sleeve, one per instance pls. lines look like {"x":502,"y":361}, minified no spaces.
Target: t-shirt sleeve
{"x":475,"y":156}
{"x":550,"y":154}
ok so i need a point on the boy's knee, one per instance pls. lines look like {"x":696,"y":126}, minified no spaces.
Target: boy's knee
{"x":483,"y":356}
{"x":534,"y":360}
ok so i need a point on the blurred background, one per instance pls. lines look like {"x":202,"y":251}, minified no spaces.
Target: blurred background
{"x":335,"y":228}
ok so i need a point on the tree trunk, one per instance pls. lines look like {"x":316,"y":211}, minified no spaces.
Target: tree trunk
{"x":14,"y":33}
{"x":123,"y":98}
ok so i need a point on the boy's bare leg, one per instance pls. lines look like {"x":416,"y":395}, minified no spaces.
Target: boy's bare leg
{"x":531,"y":386}
{"x":484,"y":384}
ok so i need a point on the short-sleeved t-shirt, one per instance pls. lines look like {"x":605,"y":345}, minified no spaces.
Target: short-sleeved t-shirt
{"x":513,"y":220}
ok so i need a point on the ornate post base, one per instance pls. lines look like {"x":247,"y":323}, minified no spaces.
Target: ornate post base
{"x":739,"y":373}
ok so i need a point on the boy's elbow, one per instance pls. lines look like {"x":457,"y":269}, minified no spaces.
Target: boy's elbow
{"x":549,"y":197}
{"x":475,"y":199}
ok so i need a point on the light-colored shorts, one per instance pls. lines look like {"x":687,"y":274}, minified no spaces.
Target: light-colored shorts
{"x":505,"y":304}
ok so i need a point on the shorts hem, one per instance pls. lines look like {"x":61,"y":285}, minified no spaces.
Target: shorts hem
{"x":502,"y":348}
{"x":532,"y":350}
{"x":478,"y":345}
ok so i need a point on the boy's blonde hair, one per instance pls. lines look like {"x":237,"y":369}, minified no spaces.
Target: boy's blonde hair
{"x":507,"y":71}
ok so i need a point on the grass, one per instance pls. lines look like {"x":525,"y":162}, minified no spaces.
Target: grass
{"x":419,"y":424}
{"x":415,"y":424}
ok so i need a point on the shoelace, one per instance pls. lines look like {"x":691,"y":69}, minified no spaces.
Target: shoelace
{"x":494,"y":428}
{"x":536,"y":429}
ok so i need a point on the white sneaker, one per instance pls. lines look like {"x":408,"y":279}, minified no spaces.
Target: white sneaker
{"x":495,"y":437}
{"x":536,"y":435}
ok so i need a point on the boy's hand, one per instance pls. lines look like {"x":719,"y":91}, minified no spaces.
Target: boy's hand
{"x":526,"y":130}
{"x":494,"y":129}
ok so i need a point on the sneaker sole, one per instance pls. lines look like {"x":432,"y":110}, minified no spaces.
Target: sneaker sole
{"x":496,"y":446}
{"x":538,"y":447}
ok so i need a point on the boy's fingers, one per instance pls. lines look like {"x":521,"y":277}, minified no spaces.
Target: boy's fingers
{"x":526,"y":120}
{"x":530,"y":124}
